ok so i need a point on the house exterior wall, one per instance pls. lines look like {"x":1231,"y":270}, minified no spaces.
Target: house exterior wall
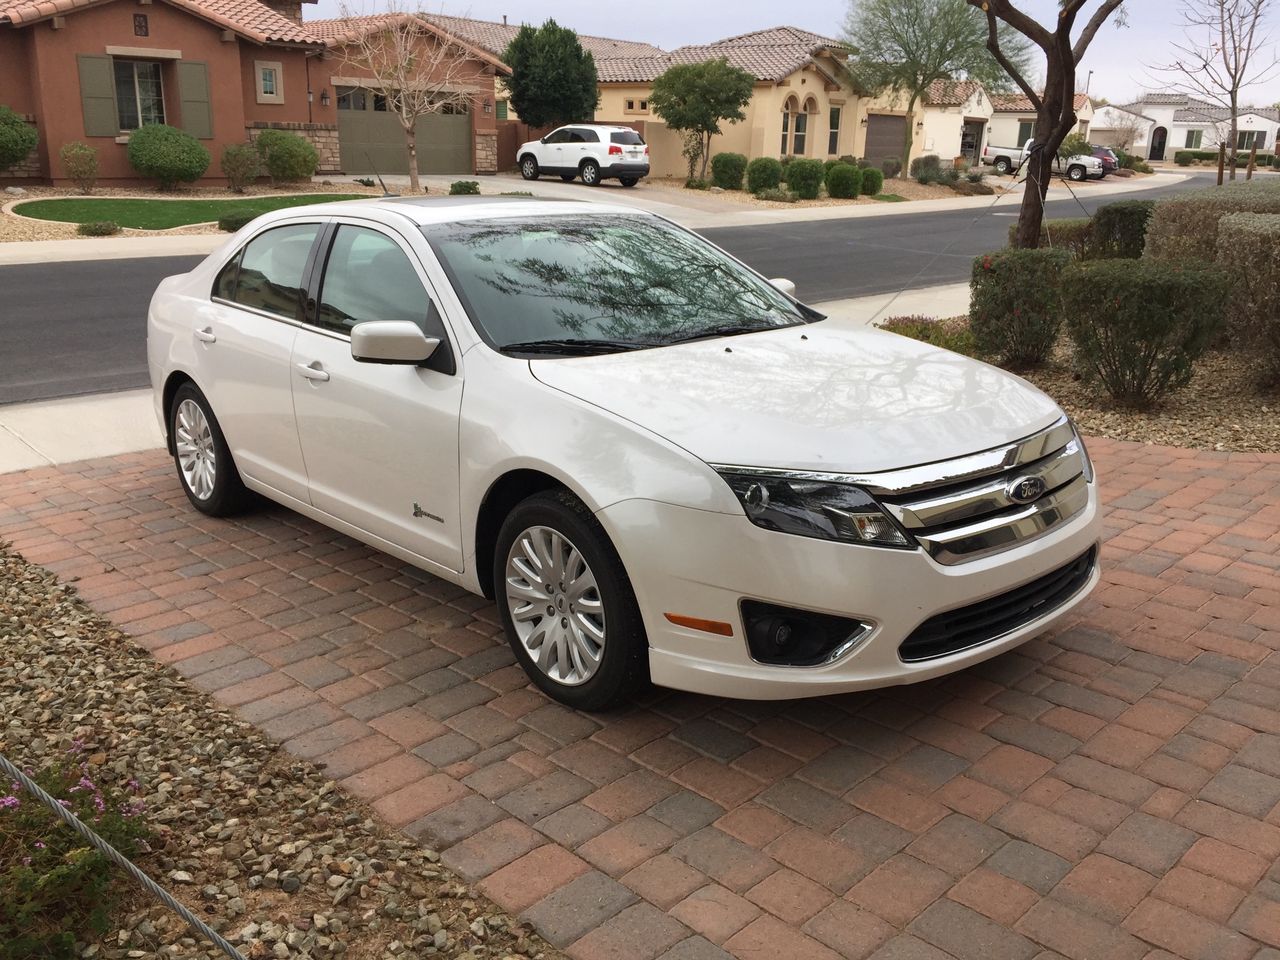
{"x":17,"y":92}
{"x":1004,"y":126}
{"x":1107,"y":124}
{"x":944,"y":127}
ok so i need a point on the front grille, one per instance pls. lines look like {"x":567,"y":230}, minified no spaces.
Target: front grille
{"x":965,"y":509}
{"x":988,"y":620}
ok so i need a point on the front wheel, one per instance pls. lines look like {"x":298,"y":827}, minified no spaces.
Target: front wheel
{"x":206,"y":471}
{"x":529,"y":168}
{"x":1003,"y":166}
{"x":628,"y":181}
{"x":1076,"y":173}
{"x":591,"y":173}
{"x":567,"y":605}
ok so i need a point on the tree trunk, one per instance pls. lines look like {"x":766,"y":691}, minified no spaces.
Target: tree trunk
{"x":1054,"y":120}
{"x":411,"y":148}
{"x":706,"y":154}
{"x":1235,"y":132}
{"x":909,"y":140}
{"x":1222,"y":161}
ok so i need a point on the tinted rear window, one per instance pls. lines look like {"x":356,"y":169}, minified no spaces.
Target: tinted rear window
{"x":626,"y":136}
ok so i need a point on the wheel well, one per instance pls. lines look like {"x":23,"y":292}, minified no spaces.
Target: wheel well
{"x":526,"y":156}
{"x":171,"y":386}
{"x":582,"y":163}
{"x":506,"y":492}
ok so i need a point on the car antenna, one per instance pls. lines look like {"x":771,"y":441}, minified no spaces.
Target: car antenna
{"x":385,"y":191}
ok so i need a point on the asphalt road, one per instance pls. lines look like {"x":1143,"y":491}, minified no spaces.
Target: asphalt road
{"x":76,"y":328}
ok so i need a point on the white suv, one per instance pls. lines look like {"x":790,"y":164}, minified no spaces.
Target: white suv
{"x":593,"y":152}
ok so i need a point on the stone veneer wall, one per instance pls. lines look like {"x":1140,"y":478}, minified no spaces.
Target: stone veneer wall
{"x":487,"y":152}
{"x":323,"y":136}
{"x":28,"y":169}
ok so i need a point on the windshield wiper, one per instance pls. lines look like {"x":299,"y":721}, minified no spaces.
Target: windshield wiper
{"x":571,"y":346}
{"x":728,"y":330}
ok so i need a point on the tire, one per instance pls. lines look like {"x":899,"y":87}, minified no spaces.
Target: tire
{"x":1003,"y":166}
{"x":593,"y":660}
{"x":204,"y":463}
{"x":1076,"y":173}
{"x":590,"y":171}
{"x":529,"y":167}
{"x":568,"y":177}
{"x":628,"y":181}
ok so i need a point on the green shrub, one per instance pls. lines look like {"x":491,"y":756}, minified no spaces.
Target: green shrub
{"x":164,"y":153}
{"x":776,"y":194}
{"x":926,"y":169}
{"x":365,"y":181}
{"x":1120,"y":229}
{"x":727,"y":170}
{"x":851,"y":160}
{"x":233,"y":220}
{"x":464,"y":188}
{"x":827,"y":167}
{"x":98,"y":228}
{"x":1183,"y":158}
{"x":81,"y":163}
{"x":1074,"y":235}
{"x":55,"y":888}
{"x":287,"y":156}
{"x":872,"y":181}
{"x":693,"y":183}
{"x":844,"y":182}
{"x":17,"y":138}
{"x":891,"y":167}
{"x":804,"y":177}
{"x":1249,"y":255}
{"x":953,"y":334}
{"x":241,"y":163}
{"x":1140,"y":325}
{"x":1016,"y":304}
{"x":975,"y":175}
{"x":763,"y":173}
{"x":1186,"y":227}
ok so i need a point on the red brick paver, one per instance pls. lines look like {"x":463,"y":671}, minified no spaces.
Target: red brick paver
{"x":1110,"y":790}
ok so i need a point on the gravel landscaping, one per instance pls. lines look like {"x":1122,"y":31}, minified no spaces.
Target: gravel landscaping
{"x":262,"y":846}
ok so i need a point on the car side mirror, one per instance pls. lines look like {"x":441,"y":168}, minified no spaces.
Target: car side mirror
{"x":391,"y":341}
{"x":786,"y":286}
{"x":543,"y":140}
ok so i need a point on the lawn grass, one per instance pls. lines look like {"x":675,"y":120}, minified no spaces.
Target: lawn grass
{"x":889,"y":198}
{"x":161,"y":214}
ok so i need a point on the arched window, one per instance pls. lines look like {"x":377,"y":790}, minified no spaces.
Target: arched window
{"x":789,"y":109}
{"x":800,"y":127}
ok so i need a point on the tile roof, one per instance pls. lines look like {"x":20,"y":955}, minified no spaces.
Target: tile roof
{"x":1021,"y":103}
{"x":249,"y":18}
{"x":495,"y":37}
{"x":951,"y":93}
{"x":1210,"y":114}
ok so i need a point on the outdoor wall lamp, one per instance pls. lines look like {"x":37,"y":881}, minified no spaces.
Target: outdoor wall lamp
{"x":324,"y":98}
{"x":863,"y":121}
{"x":488,"y":105}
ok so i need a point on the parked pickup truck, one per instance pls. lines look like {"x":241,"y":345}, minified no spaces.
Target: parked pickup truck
{"x":1076,"y":167}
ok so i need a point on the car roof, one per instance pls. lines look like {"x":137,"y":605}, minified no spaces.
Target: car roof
{"x":428,"y":210}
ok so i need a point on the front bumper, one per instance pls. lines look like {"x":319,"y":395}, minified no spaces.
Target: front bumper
{"x":701,"y":564}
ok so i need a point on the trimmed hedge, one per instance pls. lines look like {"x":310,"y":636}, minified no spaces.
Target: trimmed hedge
{"x":1249,"y":255}
{"x":953,"y":334}
{"x":872,"y":181}
{"x":926,"y":169}
{"x":1184,"y":158}
{"x":98,"y":228}
{"x":233,"y":220}
{"x":727,"y":170}
{"x":17,"y":138}
{"x":286,"y":155}
{"x":1139,"y":326}
{"x":764,"y":173}
{"x":777,"y":195}
{"x":241,"y":163}
{"x":1016,"y":304}
{"x":844,"y":182}
{"x":1120,"y":229}
{"x":891,"y":166}
{"x":167,"y":154}
{"x":464,"y":188}
{"x":1186,"y":227}
{"x":1074,"y":235}
{"x":804,"y":177}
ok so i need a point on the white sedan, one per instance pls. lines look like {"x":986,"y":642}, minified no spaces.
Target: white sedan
{"x":660,"y":464}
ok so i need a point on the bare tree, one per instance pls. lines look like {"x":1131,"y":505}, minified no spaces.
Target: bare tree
{"x":1125,"y":132}
{"x":1226,"y":50}
{"x":1055,"y":103}
{"x":418,"y":68}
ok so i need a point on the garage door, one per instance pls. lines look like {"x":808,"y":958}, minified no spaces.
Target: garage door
{"x":370,"y":137}
{"x":886,"y":137}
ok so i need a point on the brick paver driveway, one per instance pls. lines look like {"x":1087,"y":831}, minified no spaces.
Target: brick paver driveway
{"x":1111,"y":791}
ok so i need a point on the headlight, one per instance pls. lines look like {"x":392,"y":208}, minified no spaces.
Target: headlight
{"x":1084,"y":452}
{"x":815,"y":508}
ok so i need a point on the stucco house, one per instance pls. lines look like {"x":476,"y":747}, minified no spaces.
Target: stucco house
{"x":95,"y":70}
{"x":1127,"y":128}
{"x":1179,"y":122}
{"x":1014,"y":119}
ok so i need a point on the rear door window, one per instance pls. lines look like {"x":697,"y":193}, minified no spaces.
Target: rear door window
{"x":268,"y":273}
{"x":626,"y":137}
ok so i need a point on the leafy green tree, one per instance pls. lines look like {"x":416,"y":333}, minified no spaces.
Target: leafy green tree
{"x":695,"y":98}
{"x":553,"y":80}
{"x":903,"y":46}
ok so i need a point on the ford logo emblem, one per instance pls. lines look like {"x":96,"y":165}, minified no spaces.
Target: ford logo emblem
{"x":1025,"y":489}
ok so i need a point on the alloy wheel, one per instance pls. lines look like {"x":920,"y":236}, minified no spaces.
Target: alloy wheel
{"x":193,"y":440}
{"x":555,"y":605}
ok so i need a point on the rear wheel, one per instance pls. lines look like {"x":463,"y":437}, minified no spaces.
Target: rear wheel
{"x":1002,"y":165}
{"x":529,"y":167}
{"x":205,"y":469}
{"x":628,"y":181}
{"x":567,"y":605}
{"x":590,"y":173}
{"x":1076,"y":173}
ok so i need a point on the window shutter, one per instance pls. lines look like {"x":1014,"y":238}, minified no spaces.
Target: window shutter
{"x":193,"y":95}
{"x":98,"y":96}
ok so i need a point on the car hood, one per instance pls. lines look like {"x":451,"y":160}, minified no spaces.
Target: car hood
{"x":818,"y":397}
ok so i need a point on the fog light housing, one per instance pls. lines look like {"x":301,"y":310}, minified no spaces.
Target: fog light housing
{"x":786,"y":637}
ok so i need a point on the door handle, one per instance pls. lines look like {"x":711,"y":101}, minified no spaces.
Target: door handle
{"x":313,"y":371}
{"x":206,"y":335}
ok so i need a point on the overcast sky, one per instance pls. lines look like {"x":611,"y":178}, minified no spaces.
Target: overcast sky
{"x":1117,"y":56}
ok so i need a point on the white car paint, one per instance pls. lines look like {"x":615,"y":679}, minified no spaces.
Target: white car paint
{"x":632,"y":435}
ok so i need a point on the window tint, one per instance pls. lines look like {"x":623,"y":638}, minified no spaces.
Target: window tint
{"x":224,"y":287}
{"x":368,"y":277}
{"x":558,"y":136}
{"x":626,"y":136}
{"x":589,"y":136}
{"x":271,"y":267}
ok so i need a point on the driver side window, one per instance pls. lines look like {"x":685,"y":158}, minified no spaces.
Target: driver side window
{"x":367,"y":276}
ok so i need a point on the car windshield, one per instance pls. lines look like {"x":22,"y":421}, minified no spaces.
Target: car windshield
{"x":599,"y":283}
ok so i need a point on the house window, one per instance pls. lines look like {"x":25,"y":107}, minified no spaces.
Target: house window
{"x":1248,"y":139}
{"x":501,"y":110}
{"x":637,"y":106}
{"x":798,"y":137}
{"x":631,"y":104}
{"x":786,"y":131}
{"x":270,"y":81}
{"x":139,"y":93}
{"x":380,"y":103}
{"x":833,"y":138}
{"x":1026,"y":128}
{"x":644,"y":106}
{"x":140,"y":26}
{"x":1194,"y":139}
{"x":352,"y":98}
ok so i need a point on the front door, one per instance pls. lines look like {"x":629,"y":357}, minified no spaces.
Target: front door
{"x":1159,"y":137}
{"x":971,"y":140}
{"x":380,"y":441}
